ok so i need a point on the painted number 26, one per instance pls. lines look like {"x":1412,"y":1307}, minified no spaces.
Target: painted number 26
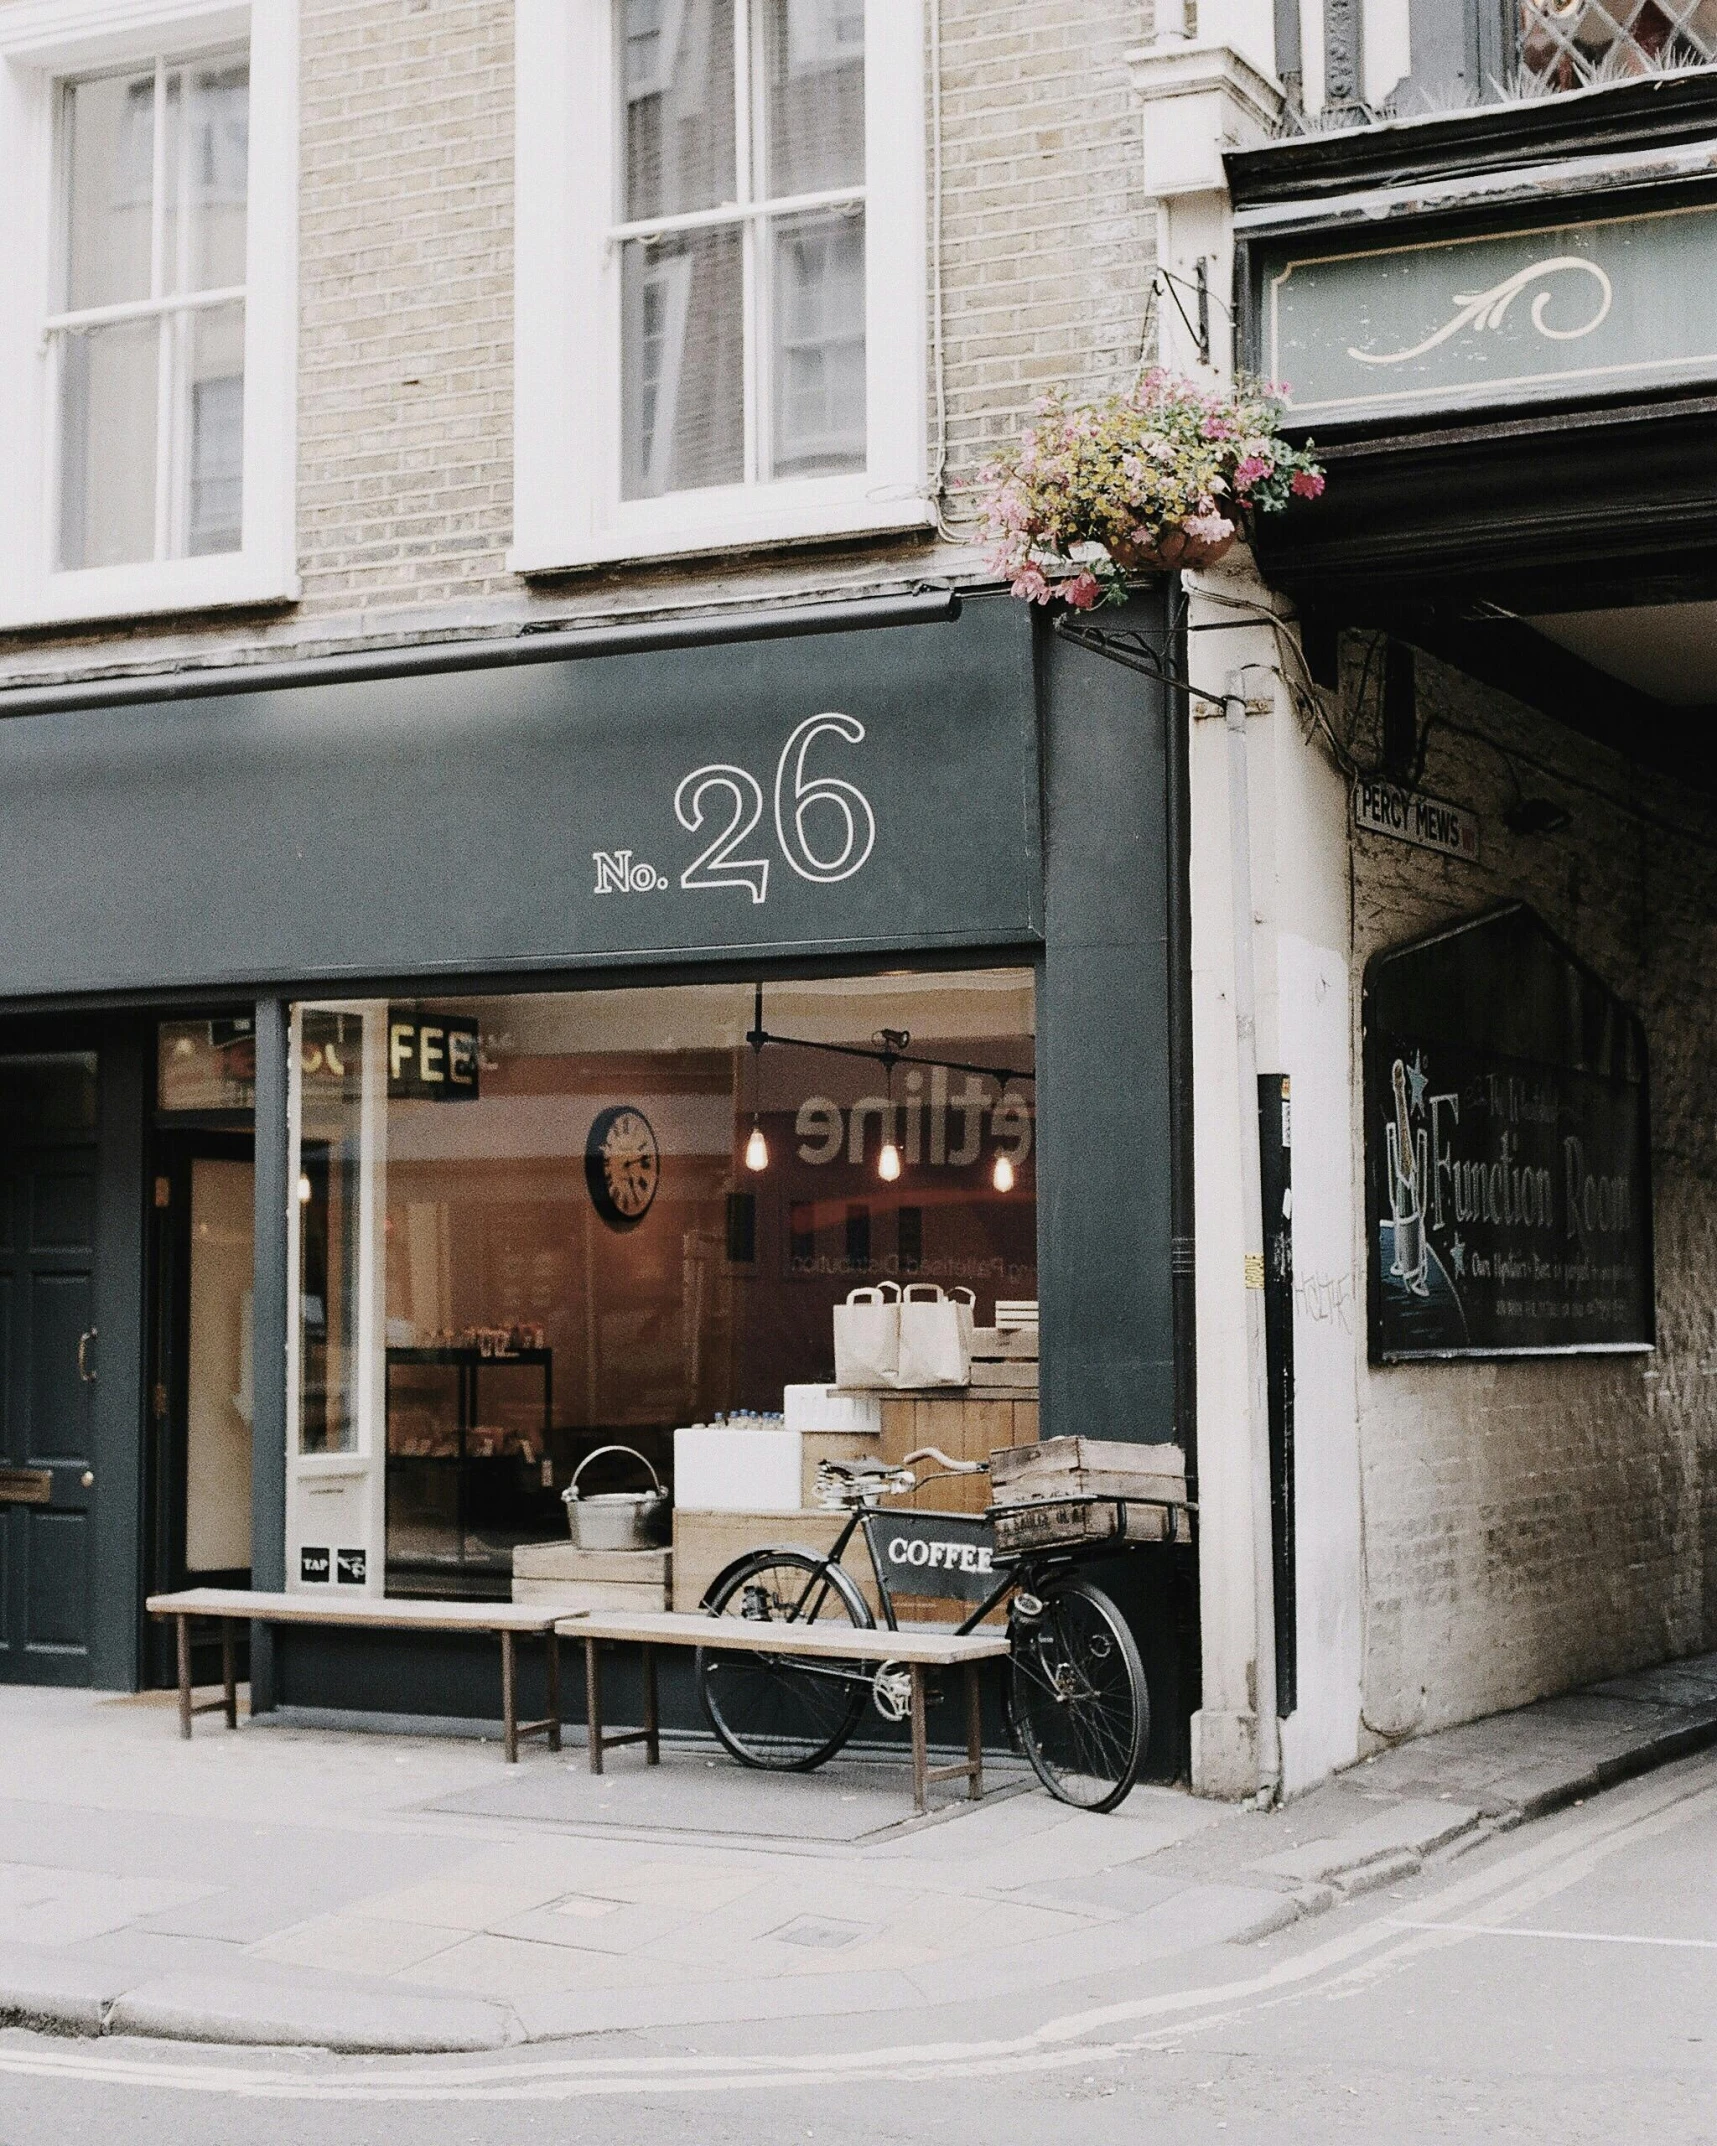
{"x":812,"y":813}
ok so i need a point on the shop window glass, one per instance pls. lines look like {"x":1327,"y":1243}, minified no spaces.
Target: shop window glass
{"x":147,"y":341}
{"x":575,"y":1250}
{"x":206,"y":1069}
{"x":742,"y":228}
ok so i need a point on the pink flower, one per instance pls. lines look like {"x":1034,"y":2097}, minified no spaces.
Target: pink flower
{"x":1082,"y":591}
{"x":1219,"y":428}
{"x":1248,"y":472}
{"x":1307,"y":484}
{"x":1208,"y":528}
{"x":1030,"y":586}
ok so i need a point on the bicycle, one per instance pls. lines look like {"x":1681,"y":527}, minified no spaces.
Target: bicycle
{"x":1078,"y":1699}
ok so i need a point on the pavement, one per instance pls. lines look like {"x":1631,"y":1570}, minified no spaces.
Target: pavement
{"x":393,"y":1890}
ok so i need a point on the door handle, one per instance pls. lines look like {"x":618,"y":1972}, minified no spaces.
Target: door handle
{"x":84,"y":1340}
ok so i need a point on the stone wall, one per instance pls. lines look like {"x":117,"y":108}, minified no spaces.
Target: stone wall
{"x":1531,"y":1525}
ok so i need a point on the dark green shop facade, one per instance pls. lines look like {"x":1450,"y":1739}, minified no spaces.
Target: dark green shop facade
{"x":421,"y":1069}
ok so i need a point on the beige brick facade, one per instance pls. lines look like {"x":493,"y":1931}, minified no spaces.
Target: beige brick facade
{"x":405,"y":403}
{"x":405,"y":414}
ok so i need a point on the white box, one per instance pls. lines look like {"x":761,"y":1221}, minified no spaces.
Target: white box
{"x":820,"y":1408}
{"x":736,"y":1468}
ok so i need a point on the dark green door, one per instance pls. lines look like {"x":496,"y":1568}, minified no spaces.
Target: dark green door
{"x":50,"y":1364}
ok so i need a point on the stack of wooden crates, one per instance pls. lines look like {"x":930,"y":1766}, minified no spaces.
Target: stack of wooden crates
{"x":998,"y":1409}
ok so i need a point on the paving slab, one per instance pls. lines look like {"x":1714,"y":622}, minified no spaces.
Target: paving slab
{"x":692,"y":1792}
{"x":371,"y":1891}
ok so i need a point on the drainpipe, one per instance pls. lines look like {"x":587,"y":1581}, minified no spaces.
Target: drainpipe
{"x":1252,"y":1202}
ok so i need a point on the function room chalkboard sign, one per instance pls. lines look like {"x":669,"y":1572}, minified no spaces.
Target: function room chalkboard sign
{"x":1507,"y":1152}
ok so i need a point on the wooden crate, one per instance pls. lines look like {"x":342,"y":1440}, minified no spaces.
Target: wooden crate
{"x":562,"y":1573}
{"x":706,"y":1542}
{"x":965,"y":1429}
{"x":1089,"y":1468}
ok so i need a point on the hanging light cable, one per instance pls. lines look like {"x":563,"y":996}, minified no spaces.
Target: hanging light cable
{"x":893,"y":1042}
{"x":756,"y":1148}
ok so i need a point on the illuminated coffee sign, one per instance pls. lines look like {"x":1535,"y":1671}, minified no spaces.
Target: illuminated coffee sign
{"x":1507,"y":1152}
{"x":432,"y":1058}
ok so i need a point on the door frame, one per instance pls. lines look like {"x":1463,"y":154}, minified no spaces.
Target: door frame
{"x":173,"y":1151}
{"x":116,"y":1436}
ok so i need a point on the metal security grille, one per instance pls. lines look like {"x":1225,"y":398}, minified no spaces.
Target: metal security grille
{"x":1566,"y":44}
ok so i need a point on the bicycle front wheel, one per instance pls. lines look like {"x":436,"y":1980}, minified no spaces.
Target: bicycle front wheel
{"x":778,"y":1711}
{"x":1080,"y":1700}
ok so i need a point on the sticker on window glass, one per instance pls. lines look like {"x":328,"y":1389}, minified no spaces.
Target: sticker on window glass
{"x":313,"y":1566}
{"x":351,"y":1567}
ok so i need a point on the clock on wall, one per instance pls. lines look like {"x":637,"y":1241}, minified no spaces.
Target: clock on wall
{"x":622,"y":1166}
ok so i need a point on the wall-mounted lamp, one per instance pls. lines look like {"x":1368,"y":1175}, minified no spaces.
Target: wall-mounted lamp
{"x":303,"y":1188}
{"x":1002,"y":1176}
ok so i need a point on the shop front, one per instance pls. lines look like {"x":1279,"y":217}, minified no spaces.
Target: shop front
{"x":433,"y":1069}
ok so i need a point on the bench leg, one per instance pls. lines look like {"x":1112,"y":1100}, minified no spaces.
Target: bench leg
{"x":974,"y":1733}
{"x":552,"y":1671}
{"x":593,"y":1702}
{"x":920,"y":1744}
{"x":229,"y":1670}
{"x":509,"y":1699}
{"x":183,"y":1627}
{"x":652,"y":1731}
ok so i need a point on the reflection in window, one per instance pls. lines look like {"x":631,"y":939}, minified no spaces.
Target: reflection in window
{"x":147,"y":341}
{"x":736,"y":290}
{"x":577,"y":1253}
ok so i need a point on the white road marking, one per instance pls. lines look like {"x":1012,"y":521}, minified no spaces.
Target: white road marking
{"x":1518,"y":1881}
{"x":1575,"y":1937}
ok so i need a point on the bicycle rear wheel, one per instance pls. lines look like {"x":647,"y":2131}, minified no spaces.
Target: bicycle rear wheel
{"x":1080,"y":1700}
{"x":776,"y":1711}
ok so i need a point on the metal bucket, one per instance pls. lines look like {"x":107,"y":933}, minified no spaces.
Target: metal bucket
{"x":617,"y":1519}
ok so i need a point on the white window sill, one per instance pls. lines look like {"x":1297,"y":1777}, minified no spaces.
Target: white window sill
{"x":181,"y":585}
{"x":689,"y":538}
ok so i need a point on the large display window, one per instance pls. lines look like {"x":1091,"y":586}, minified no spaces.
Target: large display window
{"x":532,"y":1225}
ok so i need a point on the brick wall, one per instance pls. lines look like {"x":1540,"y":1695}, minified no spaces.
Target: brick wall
{"x":1538,"y":1524}
{"x":405,"y":336}
{"x":405,"y":460}
{"x":1048,"y":241}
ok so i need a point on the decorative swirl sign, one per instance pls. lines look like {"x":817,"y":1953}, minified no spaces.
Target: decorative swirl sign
{"x":1367,"y":324}
{"x":1480,"y":310}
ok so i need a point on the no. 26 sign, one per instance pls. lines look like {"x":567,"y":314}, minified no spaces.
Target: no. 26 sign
{"x":824,"y":825}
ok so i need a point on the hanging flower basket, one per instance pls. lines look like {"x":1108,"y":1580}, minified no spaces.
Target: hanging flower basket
{"x":1172,"y":475}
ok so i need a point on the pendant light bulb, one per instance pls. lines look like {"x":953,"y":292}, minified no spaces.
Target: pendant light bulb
{"x":888,"y":1163}
{"x":756,"y":1149}
{"x":1002,"y":1176}
{"x":304,"y":1188}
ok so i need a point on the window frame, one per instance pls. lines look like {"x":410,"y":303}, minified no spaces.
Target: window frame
{"x":43,"y":44}
{"x":568,"y":505}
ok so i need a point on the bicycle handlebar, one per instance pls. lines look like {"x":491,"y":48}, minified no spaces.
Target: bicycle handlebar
{"x":946,"y":1461}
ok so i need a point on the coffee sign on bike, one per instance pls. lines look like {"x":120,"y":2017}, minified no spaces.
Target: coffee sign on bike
{"x":945,"y":1555}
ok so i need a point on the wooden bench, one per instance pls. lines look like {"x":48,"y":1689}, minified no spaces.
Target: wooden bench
{"x":917,"y":1649}
{"x":232,"y":1606}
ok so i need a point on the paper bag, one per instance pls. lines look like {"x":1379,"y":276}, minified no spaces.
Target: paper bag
{"x":935,"y":1337}
{"x":867,"y":1337}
